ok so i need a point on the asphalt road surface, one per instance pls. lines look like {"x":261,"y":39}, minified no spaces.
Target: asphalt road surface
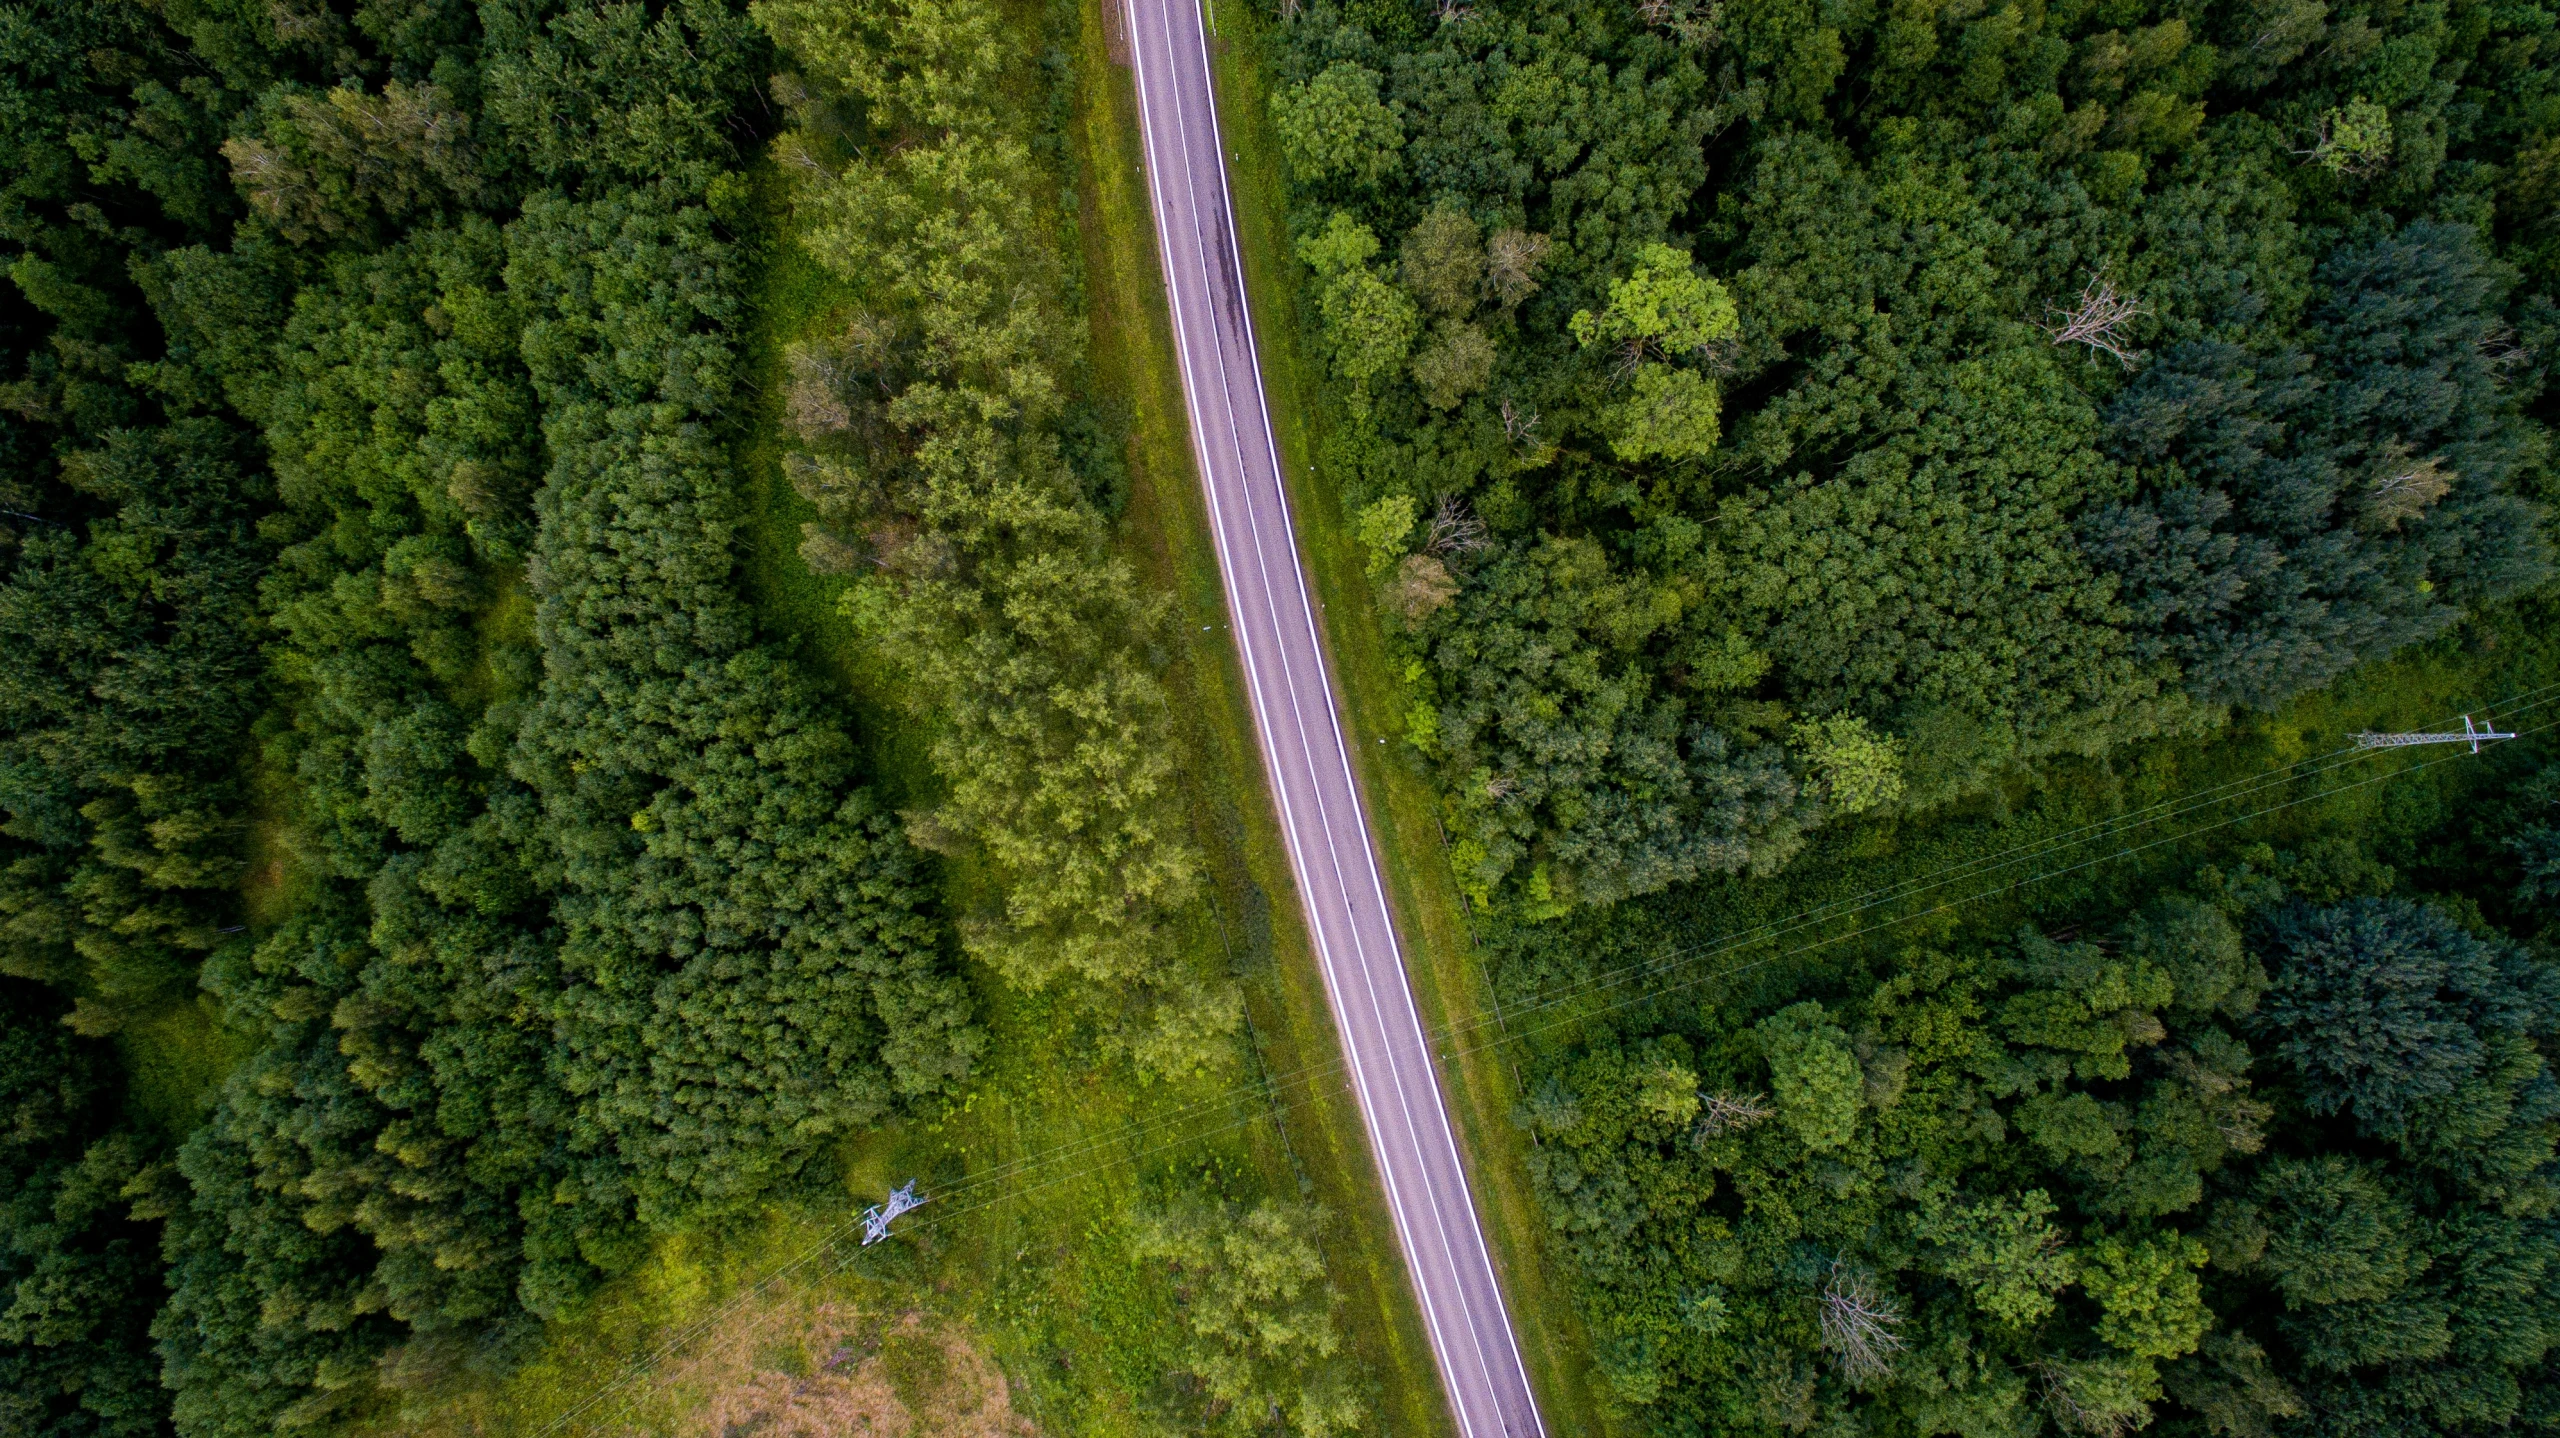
{"x":1300,"y":732}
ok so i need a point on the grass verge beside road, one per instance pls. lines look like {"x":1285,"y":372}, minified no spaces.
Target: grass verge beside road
{"x":1166,"y":534}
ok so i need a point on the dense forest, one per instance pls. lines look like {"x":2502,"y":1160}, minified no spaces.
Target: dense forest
{"x":1753,"y":415}
{"x":1765,"y":411}
{"x":1760,"y":413}
{"x":372,"y":378}
{"x":382,"y":665}
{"x":2270,"y":1152}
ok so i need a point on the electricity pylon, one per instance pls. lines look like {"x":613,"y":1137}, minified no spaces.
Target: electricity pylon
{"x":875,"y":1219}
{"x":2471,"y":734}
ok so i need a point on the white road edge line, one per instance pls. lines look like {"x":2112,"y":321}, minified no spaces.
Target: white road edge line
{"x":1244,"y":632}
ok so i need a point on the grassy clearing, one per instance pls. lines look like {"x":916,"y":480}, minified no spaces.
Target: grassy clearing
{"x":1033,"y":1272}
{"x":175,"y":1059}
{"x":177,"y":1055}
{"x":796,"y":297}
{"x":1448,"y":974}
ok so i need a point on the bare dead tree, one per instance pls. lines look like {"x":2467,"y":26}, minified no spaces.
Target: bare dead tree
{"x":1453,"y":12}
{"x":1859,"y":1323}
{"x":301,"y":23}
{"x":793,"y":154}
{"x":871,"y":341}
{"x":814,"y":406}
{"x":2097,"y":319}
{"x":2500,"y":347}
{"x":1511,"y":260}
{"x":1723,"y":1113}
{"x":1499,"y":787}
{"x":1699,"y":32}
{"x":2403,"y":489}
{"x":1453,"y":530}
{"x":824,"y":553}
{"x":928,"y":830}
{"x":1633,"y":351}
{"x":1694,"y":21}
{"x":890,"y":538}
{"x":1517,"y":423}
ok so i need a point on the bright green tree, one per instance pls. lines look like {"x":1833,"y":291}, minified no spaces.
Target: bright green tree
{"x":1335,"y":126}
{"x":1669,"y":413}
{"x":1664,"y":308}
{"x":1814,"y":1073}
{"x":1859,"y":768}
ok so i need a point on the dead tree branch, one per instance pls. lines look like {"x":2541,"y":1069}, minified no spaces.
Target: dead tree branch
{"x":1723,"y":1113}
{"x":1858,"y":1324}
{"x":1454,"y":530}
{"x":1518,"y":423}
{"x":2097,"y":320}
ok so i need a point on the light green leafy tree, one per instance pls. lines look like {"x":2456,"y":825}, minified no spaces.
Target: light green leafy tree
{"x":1665,"y":308}
{"x":1335,"y":124}
{"x":932,"y":452}
{"x":2004,"y":1251}
{"x":1814,"y":1073}
{"x":1671,"y":414}
{"x":1669,"y":1093}
{"x":1260,"y":1311}
{"x":1444,"y":262}
{"x":2355,"y":139}
{"x":2150,"y":1300}
{"x":2105,"y":1395}
{"x":1382,"y":529}
{"x":1343,"y":244}
{"x":1368,"y":323}
{"x":1458,"y":360}
{"x":1859,"y":768}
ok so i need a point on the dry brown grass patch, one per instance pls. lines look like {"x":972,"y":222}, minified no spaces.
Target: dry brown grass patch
{"x":810,"y":1367}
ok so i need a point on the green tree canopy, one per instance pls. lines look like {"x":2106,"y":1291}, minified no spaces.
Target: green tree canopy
{"x":1335,"y":126}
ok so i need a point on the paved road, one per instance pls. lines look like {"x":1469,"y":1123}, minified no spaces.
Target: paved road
{"x":1301,"y":735}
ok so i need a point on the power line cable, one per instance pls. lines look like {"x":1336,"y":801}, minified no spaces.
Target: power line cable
{"x":1778,"y":928}
{"x":2093,"y":831}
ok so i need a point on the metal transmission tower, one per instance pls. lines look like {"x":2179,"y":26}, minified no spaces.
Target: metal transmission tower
{"x":875,"y":1219}
{"x":2471,"y":734}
